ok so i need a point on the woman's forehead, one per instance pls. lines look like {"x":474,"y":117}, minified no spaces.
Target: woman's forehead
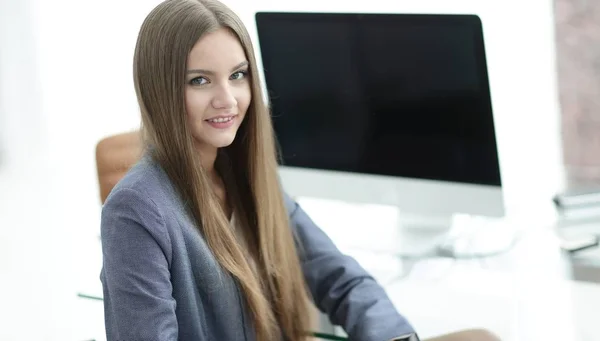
{"x":218,"y":51}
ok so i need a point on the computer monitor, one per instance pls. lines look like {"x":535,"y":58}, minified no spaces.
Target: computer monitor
{"x":390,"y":109}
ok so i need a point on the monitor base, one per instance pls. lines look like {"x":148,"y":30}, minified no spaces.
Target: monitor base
{"x":477,"y":237}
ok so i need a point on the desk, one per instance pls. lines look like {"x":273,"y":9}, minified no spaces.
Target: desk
{"x":514,"y":307}
{"x":440,"y":297}
{"x":524,"y":294}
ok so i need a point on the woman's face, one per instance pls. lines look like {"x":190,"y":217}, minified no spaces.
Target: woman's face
{"x":217,"y":92}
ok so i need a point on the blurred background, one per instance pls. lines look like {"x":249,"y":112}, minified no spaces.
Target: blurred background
{"x":66,"y":82}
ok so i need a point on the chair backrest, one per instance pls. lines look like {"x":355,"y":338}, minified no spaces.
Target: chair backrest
{"x":115,"y":155}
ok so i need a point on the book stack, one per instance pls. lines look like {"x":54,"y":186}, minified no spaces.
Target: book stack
{"x":578,"y":205}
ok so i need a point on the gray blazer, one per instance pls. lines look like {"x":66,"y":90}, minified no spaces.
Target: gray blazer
{"x":161,"y":282}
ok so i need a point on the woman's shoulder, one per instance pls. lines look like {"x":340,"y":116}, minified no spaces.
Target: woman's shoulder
{"x":290,"y":204}
{"x":137,"y":206}
{"x":145,"y":184}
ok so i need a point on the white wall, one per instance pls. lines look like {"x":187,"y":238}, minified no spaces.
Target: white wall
{"x":21,"y":120}
{"x":22,"y":275}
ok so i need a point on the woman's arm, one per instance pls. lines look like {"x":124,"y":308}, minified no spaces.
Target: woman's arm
{"x":138,"y":302}
{"x":341,"y":288}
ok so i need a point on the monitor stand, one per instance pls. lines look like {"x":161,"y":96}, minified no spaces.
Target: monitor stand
{"x":461,"y":236}
{"x":477,"y":237}
{"x":386,"y":229}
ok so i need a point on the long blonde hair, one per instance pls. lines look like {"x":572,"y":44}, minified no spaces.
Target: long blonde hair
{"x":277,"y":295}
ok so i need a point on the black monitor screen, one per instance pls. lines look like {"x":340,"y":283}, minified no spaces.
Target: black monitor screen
{"x":388,"y":94}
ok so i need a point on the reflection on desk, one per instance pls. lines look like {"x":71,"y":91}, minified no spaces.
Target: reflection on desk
{"x":516,"y":308}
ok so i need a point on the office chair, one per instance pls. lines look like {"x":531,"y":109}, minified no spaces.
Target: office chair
{"x":115,"y":155}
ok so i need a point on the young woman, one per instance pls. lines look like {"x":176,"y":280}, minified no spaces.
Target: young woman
{"x":199,"y":241}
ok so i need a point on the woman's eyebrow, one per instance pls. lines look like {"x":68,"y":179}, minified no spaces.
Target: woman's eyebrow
{"x":211,"y":73}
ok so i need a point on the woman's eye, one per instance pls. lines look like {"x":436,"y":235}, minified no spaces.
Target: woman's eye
{"x":199,"y":81}
{"x":239,"y":75}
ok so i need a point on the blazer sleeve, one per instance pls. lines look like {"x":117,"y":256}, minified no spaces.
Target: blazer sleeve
{"x":138,"y":302}
{"x":340,"y":287}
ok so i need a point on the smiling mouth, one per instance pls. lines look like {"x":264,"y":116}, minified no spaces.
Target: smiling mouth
{"x":220,"y":119}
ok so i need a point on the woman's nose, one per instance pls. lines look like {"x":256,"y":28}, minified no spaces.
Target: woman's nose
{"x":224,"y":98}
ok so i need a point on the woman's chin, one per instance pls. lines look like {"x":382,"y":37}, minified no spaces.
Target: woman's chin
{"x":220,"y":140}
{"x":223,"y":142}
